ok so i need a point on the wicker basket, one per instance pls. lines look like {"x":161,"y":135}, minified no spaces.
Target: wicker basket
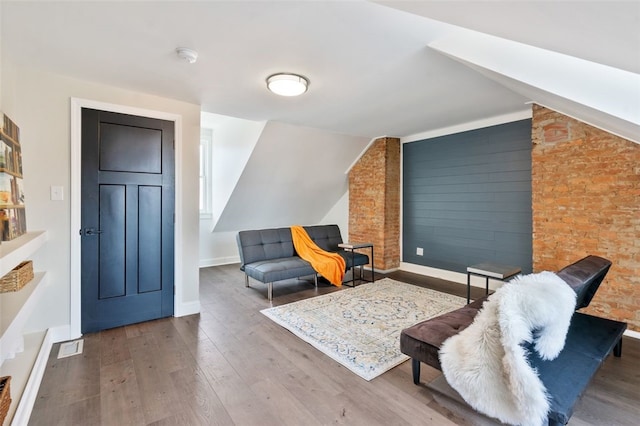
{"x":5,"y":397}
{"x":17,"y":278}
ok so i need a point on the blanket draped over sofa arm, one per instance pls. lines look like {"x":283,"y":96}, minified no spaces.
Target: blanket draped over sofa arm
{"x":329,"y":265}
{"x":486,"y":362}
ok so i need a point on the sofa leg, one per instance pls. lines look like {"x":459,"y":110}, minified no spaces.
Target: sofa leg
{"x":617,"y":349}
{"x":270,"y":291}
{"x":246,"y":280}
{"x":315,"y":279}
{"x":415,"y":369}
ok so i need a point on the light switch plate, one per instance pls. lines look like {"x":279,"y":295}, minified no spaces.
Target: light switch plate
{"x":57,"y":193}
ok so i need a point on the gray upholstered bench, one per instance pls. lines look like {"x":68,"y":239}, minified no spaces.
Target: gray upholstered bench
{"x":268,"y":255}
{"x":589,"y":340}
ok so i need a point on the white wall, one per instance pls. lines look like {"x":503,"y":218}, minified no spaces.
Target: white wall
{"x":291,"y":175}
{"x":221,"y":248}
{"x":295,"y":176}
{"x":40,"y":104}
{"x":339,"y":215}
{"x":233,"y":142}
{"x":217,"y":248}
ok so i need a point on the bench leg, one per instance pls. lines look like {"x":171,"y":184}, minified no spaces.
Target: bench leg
{"x":270,"y":291}
{"x":415,"y":369}
{"x":246,"y":280}
{"x":617,"y":349}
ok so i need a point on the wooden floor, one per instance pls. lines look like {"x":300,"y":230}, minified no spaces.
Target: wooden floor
{"x":230,"y":365}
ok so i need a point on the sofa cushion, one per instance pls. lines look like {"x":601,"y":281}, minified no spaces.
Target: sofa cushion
{"x":589,"y":340}
{"x":327,"y":237}
{"x":264,"y":244}
{"x":278,"y":269}
{"x":358,"y":259}
{"x":423,"y":340}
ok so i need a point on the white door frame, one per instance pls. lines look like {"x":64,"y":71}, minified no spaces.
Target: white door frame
{"x":75,"y":311}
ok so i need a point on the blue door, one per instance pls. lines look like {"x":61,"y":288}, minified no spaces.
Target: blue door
{"x":127,"y":219}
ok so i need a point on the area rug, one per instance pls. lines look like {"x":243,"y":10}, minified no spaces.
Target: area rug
{"x":360,"y":327}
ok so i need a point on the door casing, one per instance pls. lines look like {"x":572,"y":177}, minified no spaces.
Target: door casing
{"x":77,"y":104}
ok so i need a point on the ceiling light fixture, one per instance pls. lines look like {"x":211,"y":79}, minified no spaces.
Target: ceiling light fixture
{"x":287,"y":84}
{"x":187,"y":54}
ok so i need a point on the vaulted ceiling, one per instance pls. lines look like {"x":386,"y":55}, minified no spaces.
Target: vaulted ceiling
{"x":376,"y":68}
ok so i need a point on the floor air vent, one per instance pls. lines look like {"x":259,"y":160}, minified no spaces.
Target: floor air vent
{"x":70,"y":348}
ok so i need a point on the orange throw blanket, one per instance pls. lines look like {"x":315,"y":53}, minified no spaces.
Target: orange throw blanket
{"x":329,"y":265}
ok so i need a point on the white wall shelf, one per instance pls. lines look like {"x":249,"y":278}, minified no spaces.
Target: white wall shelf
{"x":15,"y":309}
{"x":20,"y":369}
{"x":19,"y":352}
{"x":15,"y":251}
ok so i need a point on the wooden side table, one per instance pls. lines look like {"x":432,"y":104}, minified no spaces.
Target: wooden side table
{"x":352,"y":247}
{"x":490,"y":270}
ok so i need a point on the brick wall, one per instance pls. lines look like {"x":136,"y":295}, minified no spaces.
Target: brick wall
{"x":374,"y":201}
{"x":586,"y":200}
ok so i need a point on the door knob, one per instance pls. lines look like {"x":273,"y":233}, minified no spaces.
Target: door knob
{"x":90,"y":231}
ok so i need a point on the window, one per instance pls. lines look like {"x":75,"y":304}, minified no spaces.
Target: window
{"x":206,"y":140}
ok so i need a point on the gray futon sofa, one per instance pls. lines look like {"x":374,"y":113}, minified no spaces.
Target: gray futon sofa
{"x":268,"y":255}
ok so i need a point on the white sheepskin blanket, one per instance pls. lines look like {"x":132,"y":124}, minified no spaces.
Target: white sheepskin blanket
{"x":486,"y":363}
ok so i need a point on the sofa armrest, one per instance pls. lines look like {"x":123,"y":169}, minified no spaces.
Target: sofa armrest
{"x":584,"y":277}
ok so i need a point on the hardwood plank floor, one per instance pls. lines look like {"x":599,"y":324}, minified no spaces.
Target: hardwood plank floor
{"x":230,"y":365}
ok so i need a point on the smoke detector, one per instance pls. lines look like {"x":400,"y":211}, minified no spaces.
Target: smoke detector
{"x":187,"y":54}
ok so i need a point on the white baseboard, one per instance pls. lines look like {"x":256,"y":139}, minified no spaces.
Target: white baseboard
{"x":632,"y":334}
{"x":61,"y":333}
{"x":381,"y":271}
{"x":188,"y":308}
{"x":443,"y":274}
{"x":434,"y":272}
{"x":28,"y":399}
{"x":219,"y":261}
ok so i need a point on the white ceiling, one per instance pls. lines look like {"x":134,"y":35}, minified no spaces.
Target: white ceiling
{"x":371,"y":70}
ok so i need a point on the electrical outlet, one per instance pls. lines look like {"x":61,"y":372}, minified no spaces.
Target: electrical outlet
{"x":419,"y":251}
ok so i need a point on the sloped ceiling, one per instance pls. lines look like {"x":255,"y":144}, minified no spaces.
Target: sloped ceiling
{"x":371,"y":70}
{"x":579,"y":58}
{"x":605,"y":32}
{"x":294,"y":176}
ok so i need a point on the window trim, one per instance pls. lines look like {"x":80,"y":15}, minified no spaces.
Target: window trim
{"x":205,"y":162}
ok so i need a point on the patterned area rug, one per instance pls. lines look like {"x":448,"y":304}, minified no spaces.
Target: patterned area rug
{"x":360,"y":327}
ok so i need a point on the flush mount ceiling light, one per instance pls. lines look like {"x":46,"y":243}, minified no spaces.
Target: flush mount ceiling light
{"x":187,"y":54}
{"x":286,"y":84}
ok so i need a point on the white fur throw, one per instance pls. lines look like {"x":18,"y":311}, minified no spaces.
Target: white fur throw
{"x":487,"y":365}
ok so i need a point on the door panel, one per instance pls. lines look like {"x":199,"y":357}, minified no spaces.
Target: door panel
{"x":127,"y":219}
{"x":130,"y":149}
{"x":112,"y":241}
{"x":150,"y":243}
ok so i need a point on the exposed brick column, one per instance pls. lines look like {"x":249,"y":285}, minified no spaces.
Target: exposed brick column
{"x":586,"y":200}
{"x":374,"y":201}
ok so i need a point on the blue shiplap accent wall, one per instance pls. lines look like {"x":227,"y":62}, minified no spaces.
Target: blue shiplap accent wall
{"x":467,"y":198}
